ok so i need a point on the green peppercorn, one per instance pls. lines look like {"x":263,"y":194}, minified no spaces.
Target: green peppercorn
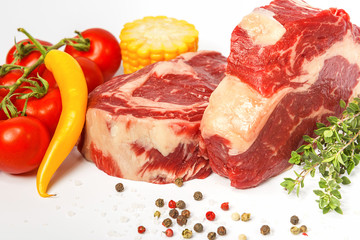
{"x":180,"y":204}
{"x":211,"y":235}
{"x":295,"y":230}
{"x":157,"y":214}
{"x":303,"y":229}
{"x":167,"y":222}
{"x":294,"y":220}
{"x":181,"y":220}
{"x":119,"y":187}
{"x":265,"y":230}
{"x":221,"y":230}
{"x":245,"y":217}
{"x":198,"y":227}
{"x":173,"y":213}
{"x":179,"y":182}
{"x":159,"y":202}
{"x":198,"y":196}
{"x":187,"y":233}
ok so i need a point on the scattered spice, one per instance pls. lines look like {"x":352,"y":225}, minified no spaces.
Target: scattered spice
{"x":303,"y":229}
{"x":157,"y":214}
{"x":242,"y":237}
{"x":187,"y":233}
{"x":180,"y":204}
{"x":305,"y":234}
{"x":159,"y":202}
{"x":185,"y":213}
{"x":172,"y":204}
{"x":245,"y":217}
{"x":181,"y":220}
{"x":295,"y":230}
{"x":173,"y":213}
{"x":294,"y":220}
{"x":119,"y":187}
{"x":221,"y":230}
{"x":210,"y":216}
{"x":141,"y":229}
{"x":225,"y":206}
{"x":179,"y":182}
{"x":265,"y":230}
{"x":167,"y":222}
{"x":235,"y":216}
{"x":198,"y":227}
{"x":169,"y":232}
{"x":198,"y":196}
{"x":211,"y":235}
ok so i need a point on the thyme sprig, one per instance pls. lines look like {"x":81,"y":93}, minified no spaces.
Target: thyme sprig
{"x":334,"y":152}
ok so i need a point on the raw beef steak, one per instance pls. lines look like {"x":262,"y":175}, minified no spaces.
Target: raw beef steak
{"x":288,"y":68}
{"x":145,"y":126}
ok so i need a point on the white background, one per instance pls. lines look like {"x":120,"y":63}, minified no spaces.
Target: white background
{"x":87,"y":205}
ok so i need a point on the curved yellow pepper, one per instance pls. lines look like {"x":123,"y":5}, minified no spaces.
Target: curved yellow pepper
{"x":74,"y":93}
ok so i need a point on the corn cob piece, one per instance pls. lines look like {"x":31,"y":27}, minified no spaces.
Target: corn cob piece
{"x":151,"y":39}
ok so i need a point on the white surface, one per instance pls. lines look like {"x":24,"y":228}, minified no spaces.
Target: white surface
{"x":87,"y":205}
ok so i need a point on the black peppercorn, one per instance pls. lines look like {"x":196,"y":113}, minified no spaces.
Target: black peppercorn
{"x":167,"y":222}
{"x":265,"y":230}
{"x":180,"y":204}
{"x":159,"y":202}
{"x":185,"y":213}
{"x":211,"y":235}
{"x":198,"y":227}
{"x":198,"y":196}
{"x":173,"y":213}
{"x":119,"y":187}
{"x":221,"y":230}
{"x":294,"y":220}
{"x":303,"y":229}
{"x":179,"y":182}
{"x":181,"y":220}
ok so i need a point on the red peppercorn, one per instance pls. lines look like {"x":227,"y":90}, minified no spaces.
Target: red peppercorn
{"x":305,"y":234}
{"x":210,"y":215}
{"x":141,"y":229}
{"x":169,"y":232}
{"x":172,"y":204}
{"x":225,"y":206}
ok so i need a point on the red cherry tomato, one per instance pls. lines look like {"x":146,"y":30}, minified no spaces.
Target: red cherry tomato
{"x":91,"y":71}
{"x":2,"y":114}
{"x":23,"y":143}
{"x":104,"y":51}
{"x":9,"y":79}
{"x":47,"y":109}
{"x":29,"y":59}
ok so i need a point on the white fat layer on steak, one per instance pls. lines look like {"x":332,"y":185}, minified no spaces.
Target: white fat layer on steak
{"x":238,"y":113}
{"x":262,"y":28}
{"x":116,"y":139}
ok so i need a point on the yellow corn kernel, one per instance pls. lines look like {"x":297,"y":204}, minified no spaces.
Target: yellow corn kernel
{"x":151,"y":39}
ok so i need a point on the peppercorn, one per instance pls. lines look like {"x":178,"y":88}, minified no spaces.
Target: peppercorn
{"x":211,"y":235}
{"x":180,"y":204}
{"x":198,"y":227}
{"x":167,"y":222}
{"x":187,"y":233}
{"x":169,"y":232}
{"x":172,"y":204}
{"x":303,"y":229}
{"x":225,"y":206}
{"x":179,"y":182}
{"x":198,"y":196}
{"x":173,"y":213}
{"x":141,"y":229}
{"x":159,"y":202}
{"x":210,"y":216}
{"x":242,"y":237}
{"x":221,"y":230}
{"x":119,"y":187}
{"x":157,"y":214}
{"x":294,"y":220}
{"x":185,"y":213}
{"x":295,"y":230}
{"x":181,"y":220}
{"x":245,"y":217}
{"x":235,"y":216}
{"x":265,"y":230}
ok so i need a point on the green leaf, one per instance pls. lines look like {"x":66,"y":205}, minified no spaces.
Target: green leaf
{"x":308,"y":139}
{"x":339,"y":159}
{"x":345,"y":180}
{"x":312,"y":172}
{"x":288,"y":185}
{"x":329,"y":159}
{"x":338,"y":210}
{"x":319,"y":193}
{"x":328,"y":133}
{"x":336,"y":193}
{"x":342,"y":104}
{"x":323,"y":183}
{"x":334,"y":203}
{"x":333,"y":119}
{"x":295,"y":158}
{"x":324,"y":201}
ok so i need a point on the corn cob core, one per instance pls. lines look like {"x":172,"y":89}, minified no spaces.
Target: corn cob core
{"x":151,"y":39}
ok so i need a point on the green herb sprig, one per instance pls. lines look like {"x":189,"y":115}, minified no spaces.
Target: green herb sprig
{"x":334,"y":152}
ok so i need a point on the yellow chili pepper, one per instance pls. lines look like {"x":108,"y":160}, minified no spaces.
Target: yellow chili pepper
{"x":73,"y":91}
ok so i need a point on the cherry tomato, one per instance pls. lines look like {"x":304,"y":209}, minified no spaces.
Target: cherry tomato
{"x":49,"y":77}
{"x":104,"y":51}
{"x":2,"y":114}
{"x":91,"y":71}
{"x":9,"y":79}
{"x":29,"y":59}
{"x":47,"y":109}
{"x":23,"y":143}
